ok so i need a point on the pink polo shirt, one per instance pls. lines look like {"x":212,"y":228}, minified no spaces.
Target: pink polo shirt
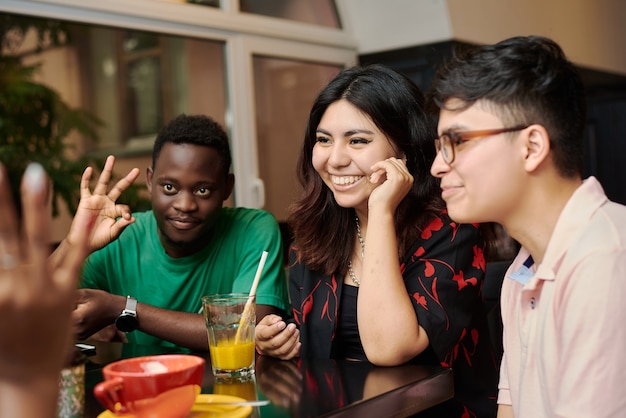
{"x":565,"y":328}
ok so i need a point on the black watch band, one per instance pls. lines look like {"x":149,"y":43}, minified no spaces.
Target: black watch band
{"x":127,"y":321}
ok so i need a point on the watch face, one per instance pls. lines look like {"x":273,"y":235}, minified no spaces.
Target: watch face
{"x":126,"y":323}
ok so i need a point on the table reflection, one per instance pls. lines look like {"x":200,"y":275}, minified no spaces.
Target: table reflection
{"x":326,"y":387}
{"x":304,"y":388}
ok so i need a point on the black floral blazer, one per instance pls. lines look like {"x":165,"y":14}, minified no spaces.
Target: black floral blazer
{"x":443,"y":273}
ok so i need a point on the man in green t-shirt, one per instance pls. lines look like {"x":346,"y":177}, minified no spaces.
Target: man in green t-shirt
{"x":147,"y":272}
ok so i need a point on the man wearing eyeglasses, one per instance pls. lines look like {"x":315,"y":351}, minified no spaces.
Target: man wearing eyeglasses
{"x":510,"y":150}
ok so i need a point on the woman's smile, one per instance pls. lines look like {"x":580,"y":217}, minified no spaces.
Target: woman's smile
{"x":345,"y":180}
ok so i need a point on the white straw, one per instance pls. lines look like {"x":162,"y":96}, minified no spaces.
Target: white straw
{"x":247,"y":309}
{"x":259,"y":270}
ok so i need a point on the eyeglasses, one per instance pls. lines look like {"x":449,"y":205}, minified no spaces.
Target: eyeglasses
{"x":448,"y":141}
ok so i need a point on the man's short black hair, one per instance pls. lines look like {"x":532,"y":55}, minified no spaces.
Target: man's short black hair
{"x":197,"y":130}
{"x":524,"y":80}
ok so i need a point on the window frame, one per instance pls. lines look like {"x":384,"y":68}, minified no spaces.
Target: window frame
{"x":244,"y":36}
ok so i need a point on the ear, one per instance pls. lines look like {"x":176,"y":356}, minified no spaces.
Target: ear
{"x":230,"y":184}
{"x":537,"y":147}
{"x":149,"y":173}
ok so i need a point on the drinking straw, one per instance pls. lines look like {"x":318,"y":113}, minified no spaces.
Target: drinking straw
{"x":257,"y":276}
{"x":247,"y":310}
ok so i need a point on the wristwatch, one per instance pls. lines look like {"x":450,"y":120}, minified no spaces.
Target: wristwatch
{"x":127,"y":321}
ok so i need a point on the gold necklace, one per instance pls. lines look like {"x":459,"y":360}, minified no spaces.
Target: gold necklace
{"x":356,"y":281}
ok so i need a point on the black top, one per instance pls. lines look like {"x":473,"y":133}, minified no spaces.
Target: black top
{"x":347,"y":342}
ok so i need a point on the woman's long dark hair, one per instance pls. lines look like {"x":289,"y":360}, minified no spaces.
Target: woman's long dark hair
{"x":324,"y":232}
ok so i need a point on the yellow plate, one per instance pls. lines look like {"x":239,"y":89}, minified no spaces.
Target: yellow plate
{"x":203,"y":408}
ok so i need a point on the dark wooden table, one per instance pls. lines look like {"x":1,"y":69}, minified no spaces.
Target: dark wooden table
{"x":300,"y":388}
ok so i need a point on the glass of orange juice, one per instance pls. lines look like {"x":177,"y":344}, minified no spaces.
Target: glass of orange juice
{"x":230,"y":320}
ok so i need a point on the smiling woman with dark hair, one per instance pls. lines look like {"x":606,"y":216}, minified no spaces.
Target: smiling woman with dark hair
{"x":378,"y":271}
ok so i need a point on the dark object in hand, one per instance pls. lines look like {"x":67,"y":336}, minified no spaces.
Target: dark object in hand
{"x":290,"y":321}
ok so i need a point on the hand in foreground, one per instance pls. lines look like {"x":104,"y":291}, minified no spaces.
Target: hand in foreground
{"x":100,"y":208}
{"x":94,"y":314}
{"x":36,"y":299}
{"x":273,"y":337}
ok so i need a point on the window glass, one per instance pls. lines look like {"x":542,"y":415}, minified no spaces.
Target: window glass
{"x":318,"y":12}
{"x":139,"y":41}
{"x":284,"y":93}
{"x":132,"y":81}
{"x":143,"y":96}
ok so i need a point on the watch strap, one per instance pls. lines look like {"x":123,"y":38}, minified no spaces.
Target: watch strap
{"x":127,"y":321}
{"x":131,"y":305}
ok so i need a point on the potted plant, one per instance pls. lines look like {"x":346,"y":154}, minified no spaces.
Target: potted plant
{"x":35,"y":121}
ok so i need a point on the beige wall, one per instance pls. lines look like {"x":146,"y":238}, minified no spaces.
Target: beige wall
{"x":592,"y":32}
{"x":392,"y":24}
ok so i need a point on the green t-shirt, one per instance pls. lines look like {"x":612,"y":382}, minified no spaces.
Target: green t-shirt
{"x":136,"y":264}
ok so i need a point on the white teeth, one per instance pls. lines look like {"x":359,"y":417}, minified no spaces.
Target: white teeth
{"x":343,"y":181}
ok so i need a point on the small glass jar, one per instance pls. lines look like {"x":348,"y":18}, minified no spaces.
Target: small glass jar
{"x":71,"y":402}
